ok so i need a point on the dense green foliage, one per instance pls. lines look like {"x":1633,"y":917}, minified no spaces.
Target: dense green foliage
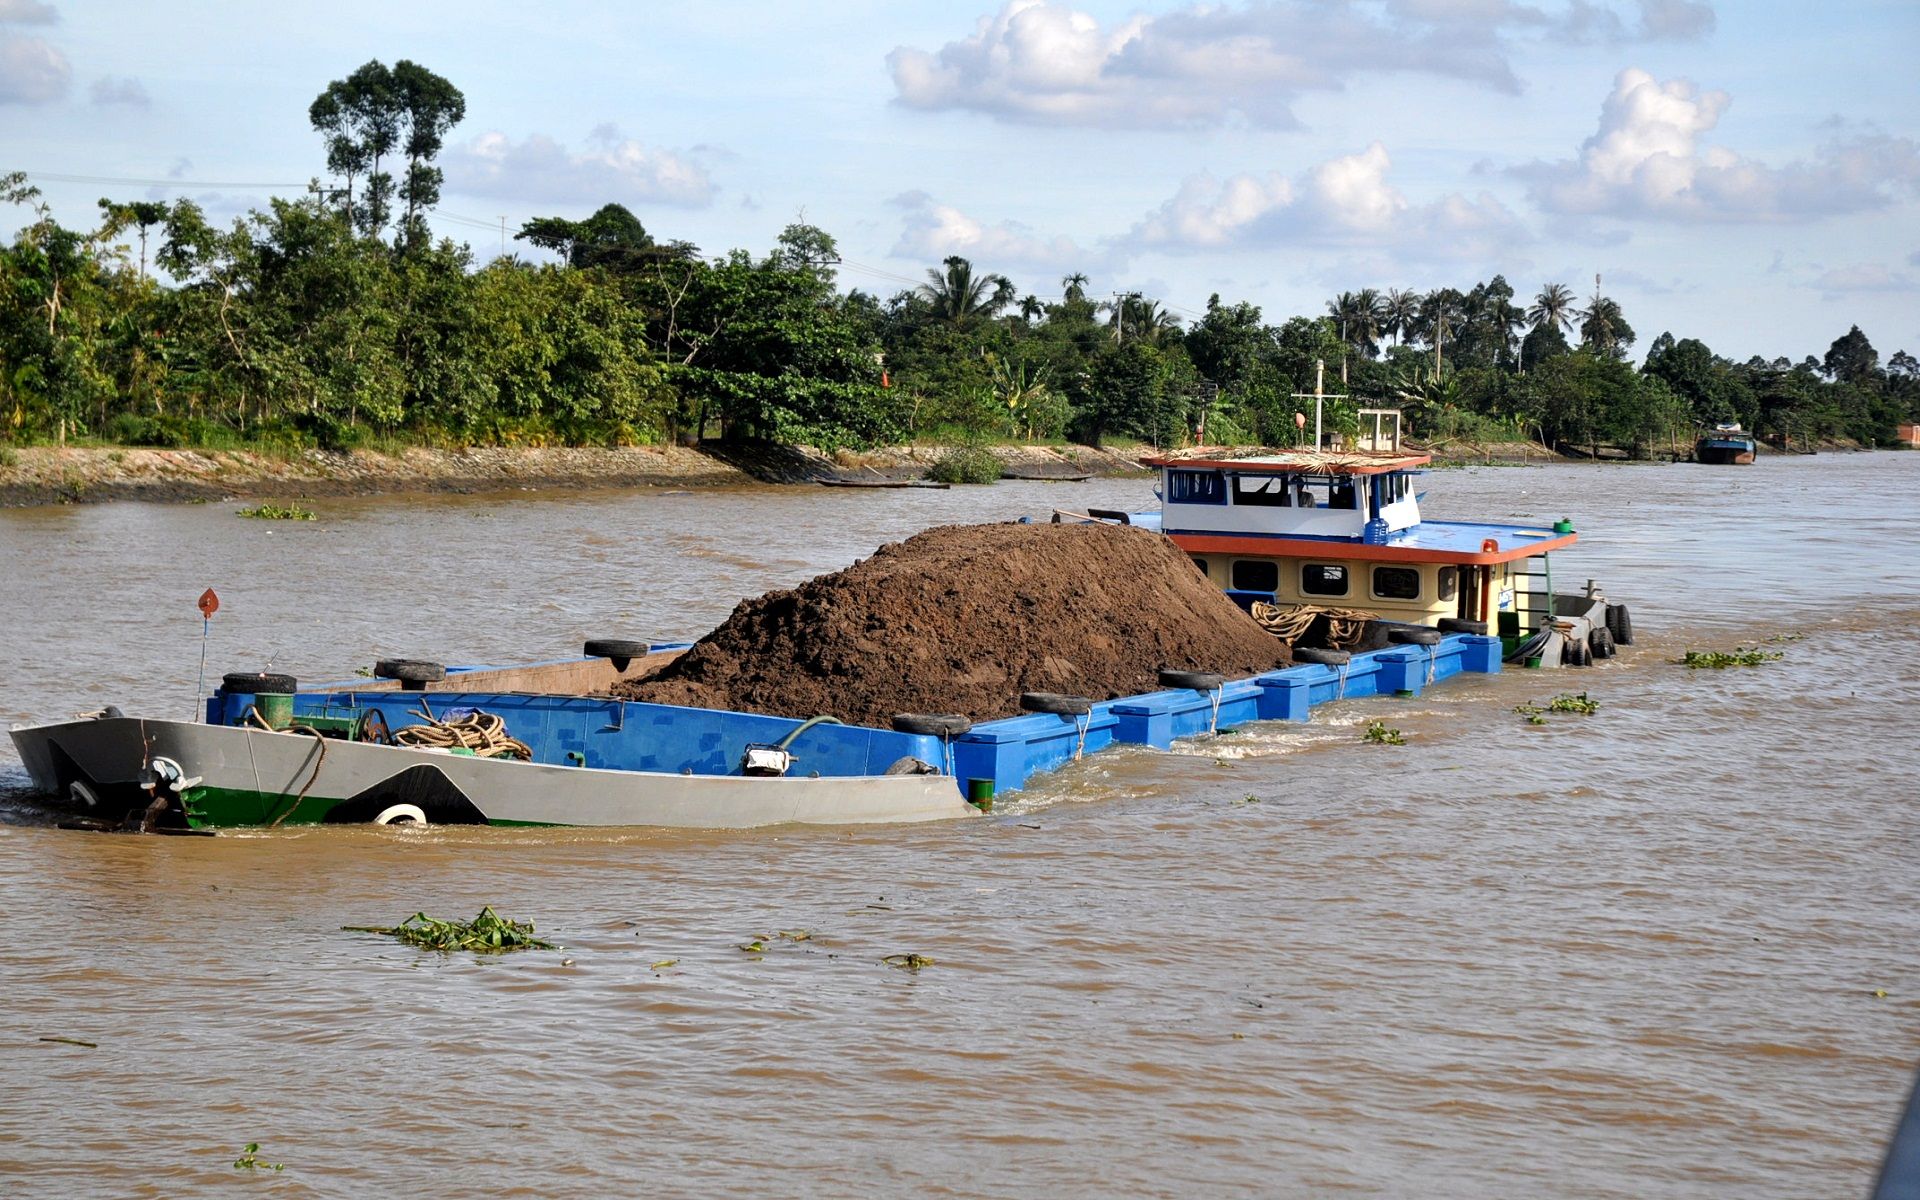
{"x":336,"y":320}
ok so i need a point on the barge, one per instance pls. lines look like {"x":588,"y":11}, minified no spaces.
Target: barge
{"x":1327,"y":550}
{"x":1726,"y":445}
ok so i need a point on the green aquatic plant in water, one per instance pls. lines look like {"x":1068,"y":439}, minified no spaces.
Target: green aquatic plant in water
{"x":1378,"y":733}
{"x":1567,"y":702}
{"x":276,"y":512}
{"x":1740,"y":656}
{"x":488,"y":933}
{"x":249,"y":1160}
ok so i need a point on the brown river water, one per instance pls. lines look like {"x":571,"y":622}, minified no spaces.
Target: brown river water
{"x":1635,"y":954}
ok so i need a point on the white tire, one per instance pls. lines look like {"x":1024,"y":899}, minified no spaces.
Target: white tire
{"x":83,"y":794}
{"x":401,"y":813}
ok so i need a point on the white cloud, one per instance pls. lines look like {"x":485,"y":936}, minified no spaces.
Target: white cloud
{"x":27,"y":12}
{"x":932,"y":231}
{"x":1346,"y":202}
{"x":610,"y":168}
{"x":1041,"y":61}
{"x":122,"y":89}
{"x":1647,"y":159}
{"x":1863,"y":277}
{"x":32,"y":70}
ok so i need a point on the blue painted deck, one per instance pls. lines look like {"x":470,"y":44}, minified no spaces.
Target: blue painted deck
{"x":627,"y":735}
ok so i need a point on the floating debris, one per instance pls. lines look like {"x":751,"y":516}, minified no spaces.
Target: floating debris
{"x":67,"y":1041}
{"x":249,"y":1160}
{"x":908,"y":962}
{"x":1568,"y":702}
{"x":1741,"y":656}
{"x":488,"y":933}
{"x":1378,"y":733}
{"x":277,"y":512}
{"x":664,"y":963}
{"x":756,"y":946}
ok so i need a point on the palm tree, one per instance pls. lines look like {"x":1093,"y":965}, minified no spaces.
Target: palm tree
{"x":957,"y":294}
{"x":1553,"y":306}
{"x":1030,"y":308}
{"x":1400,"y":312}
{"x":1134,"y":315}
{"x":1441,"y":312}
{"x":1074,"y":288}
{"x":1604,"y":327}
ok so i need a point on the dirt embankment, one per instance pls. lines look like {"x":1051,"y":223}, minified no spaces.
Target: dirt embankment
{"x":964,"y":618}
{"x":73,"y":475}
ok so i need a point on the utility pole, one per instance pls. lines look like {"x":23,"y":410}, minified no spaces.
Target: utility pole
{"x":1319,"y":397}
{"x":503,"y":235}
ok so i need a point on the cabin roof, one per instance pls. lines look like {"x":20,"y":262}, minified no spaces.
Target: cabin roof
{"x":1296,"y":462}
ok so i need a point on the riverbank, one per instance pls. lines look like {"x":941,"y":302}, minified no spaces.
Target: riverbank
{"x":37,"y":475}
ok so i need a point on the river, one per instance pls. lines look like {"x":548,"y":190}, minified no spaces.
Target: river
{"x":1671,"y":949}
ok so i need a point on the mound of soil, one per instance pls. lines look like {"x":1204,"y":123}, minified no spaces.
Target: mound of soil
{"x":963,"y":619}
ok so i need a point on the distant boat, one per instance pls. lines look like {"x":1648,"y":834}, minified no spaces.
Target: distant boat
{"x":1728,"y":444}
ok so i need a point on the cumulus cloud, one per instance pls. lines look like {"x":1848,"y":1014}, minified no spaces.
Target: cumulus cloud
{"x":1038,"y":61}
{"x":27,"y":12}
{"x":932,"y":230}
{"x":32,"y":70}
{"x":610,"y":167}
{"x":1863,"y":277}
{"x":123,"y":89}
{"x":1346,"y":202}
{"x":1647,"y":160}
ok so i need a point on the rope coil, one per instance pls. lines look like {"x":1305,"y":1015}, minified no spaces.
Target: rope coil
{"x":1289,"y":622}
{"x":484,"y":733}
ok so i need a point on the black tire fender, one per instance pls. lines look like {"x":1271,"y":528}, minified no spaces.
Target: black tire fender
{"x":616,"y":649}
{"x":1460,"y":625}
{"x":409,"y":670}
{"x":259,"y":683}
{"x":1054,"y":702}
{"x":936,"y":724}
{"x":1414,"y":635}
{"x":1600,"y":643}
{"x":1199,"y":681}
{"x":1325,"y":658}
{"x":1620,"y":624}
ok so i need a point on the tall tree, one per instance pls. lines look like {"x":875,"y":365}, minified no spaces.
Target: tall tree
{"x":958,"y":295}
{"x":429,"y":107}
{"x":1553,"y":306}
{"x":1074,"y":288}
{"x":1400,"y":312}
{"x":360,"y":118}
{"x":1604,"y":329}
{"x":1852,"y":359}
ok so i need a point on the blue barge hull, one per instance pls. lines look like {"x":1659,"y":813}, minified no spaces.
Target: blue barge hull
{"x":624,"y":735}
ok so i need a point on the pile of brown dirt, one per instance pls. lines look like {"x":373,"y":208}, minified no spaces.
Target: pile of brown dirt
{"x":964,"y":618}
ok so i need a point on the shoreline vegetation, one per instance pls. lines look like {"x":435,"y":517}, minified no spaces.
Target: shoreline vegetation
{"x":329,"y":343}
{"x":49,"y":475}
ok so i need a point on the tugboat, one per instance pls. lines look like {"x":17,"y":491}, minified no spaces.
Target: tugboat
{"x":1727,"y":445}
{"x":1328,"y":549}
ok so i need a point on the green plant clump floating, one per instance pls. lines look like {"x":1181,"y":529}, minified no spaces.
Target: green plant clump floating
{"x":488,"y":933}
{"x":277,"y":512}
{"x":1741,"y":656}
{"x":1378,"y":733}
{"x":249,"y":1160}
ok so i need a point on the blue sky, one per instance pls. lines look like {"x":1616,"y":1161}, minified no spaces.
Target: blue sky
{"x":1746,"y":173}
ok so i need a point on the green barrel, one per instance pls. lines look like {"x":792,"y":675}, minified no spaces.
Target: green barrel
{"x":275,"y":708}
{"x":980,"y":794}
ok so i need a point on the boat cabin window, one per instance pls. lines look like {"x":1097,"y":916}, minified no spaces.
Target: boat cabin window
{"x":1263,"y":491}
{"x":1323,"y":579}
{"x":1202,"y":564}
{"x":1396,"y":583}
{"x":1344,"y":495}
{"x":1255,"y":575}
{"x":1196,"y":487}
{"x":1394,"y":488}
{"x":1449,"y":582}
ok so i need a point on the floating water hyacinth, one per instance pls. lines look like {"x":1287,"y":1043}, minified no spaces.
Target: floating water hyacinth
{"x":488,"y":933}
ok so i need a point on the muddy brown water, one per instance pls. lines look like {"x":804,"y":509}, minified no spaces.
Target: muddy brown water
{"x":1628,"y":955}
